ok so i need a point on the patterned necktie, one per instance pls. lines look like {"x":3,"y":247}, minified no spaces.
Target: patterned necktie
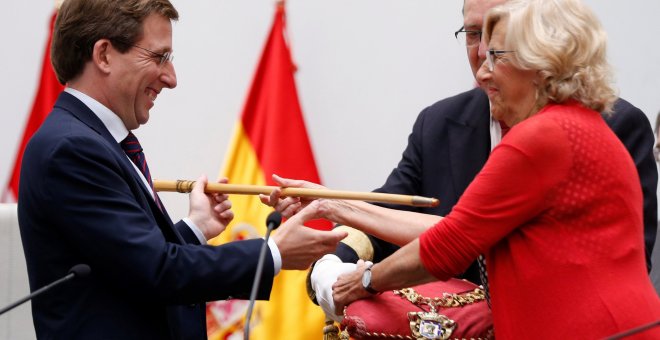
{"x":133,"y":150}
{"x":483,"y":275}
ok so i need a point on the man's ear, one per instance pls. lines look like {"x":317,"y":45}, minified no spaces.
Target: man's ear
{"x":102,"y":54}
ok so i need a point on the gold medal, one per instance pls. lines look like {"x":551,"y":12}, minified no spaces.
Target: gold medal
{"x":430,"y":325}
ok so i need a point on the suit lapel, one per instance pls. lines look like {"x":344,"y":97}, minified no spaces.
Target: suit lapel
{"x":142,"y":195}
{"x":469,"y":138}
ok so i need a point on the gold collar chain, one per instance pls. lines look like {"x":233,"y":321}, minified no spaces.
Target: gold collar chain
{"x":431,"y":324}
{"x":447,"y":299}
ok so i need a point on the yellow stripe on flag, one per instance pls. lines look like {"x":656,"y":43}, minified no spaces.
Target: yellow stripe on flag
{"x":289,"y":314}
{"x":242,"y":166}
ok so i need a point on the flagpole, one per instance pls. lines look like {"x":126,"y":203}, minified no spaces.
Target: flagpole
{"x":185,"y":186}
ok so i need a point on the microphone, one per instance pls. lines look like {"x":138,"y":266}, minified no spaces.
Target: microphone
{"x":273,"y":221}
{"x":79,"y":270}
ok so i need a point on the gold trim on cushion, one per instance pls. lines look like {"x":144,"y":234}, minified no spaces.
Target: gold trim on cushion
{"x":330,"y":331}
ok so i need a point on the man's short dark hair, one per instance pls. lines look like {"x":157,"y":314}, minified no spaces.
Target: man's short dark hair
{"x":81,"y":23}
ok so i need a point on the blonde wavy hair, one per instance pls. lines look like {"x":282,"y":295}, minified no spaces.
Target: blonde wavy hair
{"x":564,"y":41}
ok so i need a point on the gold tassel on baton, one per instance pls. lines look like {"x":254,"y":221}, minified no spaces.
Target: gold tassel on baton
{"x":241,"y":189}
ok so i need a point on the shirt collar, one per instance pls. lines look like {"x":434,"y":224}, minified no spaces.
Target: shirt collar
{"x":111,"y":121}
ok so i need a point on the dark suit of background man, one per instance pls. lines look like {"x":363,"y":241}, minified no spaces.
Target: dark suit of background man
{"x":451,"y":140}
{"x":82,"y":200}
{"x":655,"y":270}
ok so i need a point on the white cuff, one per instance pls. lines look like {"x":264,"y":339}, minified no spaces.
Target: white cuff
{"x":277,"y":258}
{"x":195,"y":230}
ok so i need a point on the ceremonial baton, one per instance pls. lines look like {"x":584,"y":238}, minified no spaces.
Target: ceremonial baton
{"x":185,"y":186}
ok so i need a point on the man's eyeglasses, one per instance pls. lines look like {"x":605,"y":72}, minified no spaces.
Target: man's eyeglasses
{"x":493,"y":55}
{"x":161,"y":57}
{"x":469,"y":38}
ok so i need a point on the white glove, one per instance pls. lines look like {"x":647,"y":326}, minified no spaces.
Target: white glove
{"x":324,"y":275}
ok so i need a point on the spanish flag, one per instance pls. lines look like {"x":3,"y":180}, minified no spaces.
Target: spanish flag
{"x":269,"y":138}
{"x":47,"y":92}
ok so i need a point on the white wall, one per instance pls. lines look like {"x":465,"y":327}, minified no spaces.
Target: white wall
{"x":366,"y":68}
{"x":15,"y":324}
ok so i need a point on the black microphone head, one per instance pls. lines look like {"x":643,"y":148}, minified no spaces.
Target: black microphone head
{"x":274,"y":219}
{"x":80,"y":270}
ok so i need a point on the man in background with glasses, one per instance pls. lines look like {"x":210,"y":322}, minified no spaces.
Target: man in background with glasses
{"x":450,"y":143}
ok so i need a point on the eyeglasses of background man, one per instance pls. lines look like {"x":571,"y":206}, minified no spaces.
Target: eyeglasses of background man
{"x":469,"y":38}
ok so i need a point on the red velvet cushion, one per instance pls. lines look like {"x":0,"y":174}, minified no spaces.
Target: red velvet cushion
{"x":386,"y":315}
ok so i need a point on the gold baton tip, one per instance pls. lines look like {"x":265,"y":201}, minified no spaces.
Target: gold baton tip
{"x":419,"y":201}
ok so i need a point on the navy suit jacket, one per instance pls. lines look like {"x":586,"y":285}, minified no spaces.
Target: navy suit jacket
{"x":450,"y":143}
{"x":81,"y":201}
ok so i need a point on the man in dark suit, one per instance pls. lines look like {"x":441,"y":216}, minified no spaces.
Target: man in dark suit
{"x":86,"y":195}
{"x":451,"y":141}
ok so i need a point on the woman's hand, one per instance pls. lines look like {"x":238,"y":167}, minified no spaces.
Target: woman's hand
{"x":288,"y":206}
{"x":348,"y":288}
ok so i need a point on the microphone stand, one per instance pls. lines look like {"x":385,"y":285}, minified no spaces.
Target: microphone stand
{"x":273,"y":221}
{"x":81,"y":270}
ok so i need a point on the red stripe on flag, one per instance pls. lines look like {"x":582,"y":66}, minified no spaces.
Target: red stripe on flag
{"x":273,"y":118}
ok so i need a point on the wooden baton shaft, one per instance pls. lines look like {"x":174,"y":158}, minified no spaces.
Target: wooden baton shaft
{"x":185,"y":186}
